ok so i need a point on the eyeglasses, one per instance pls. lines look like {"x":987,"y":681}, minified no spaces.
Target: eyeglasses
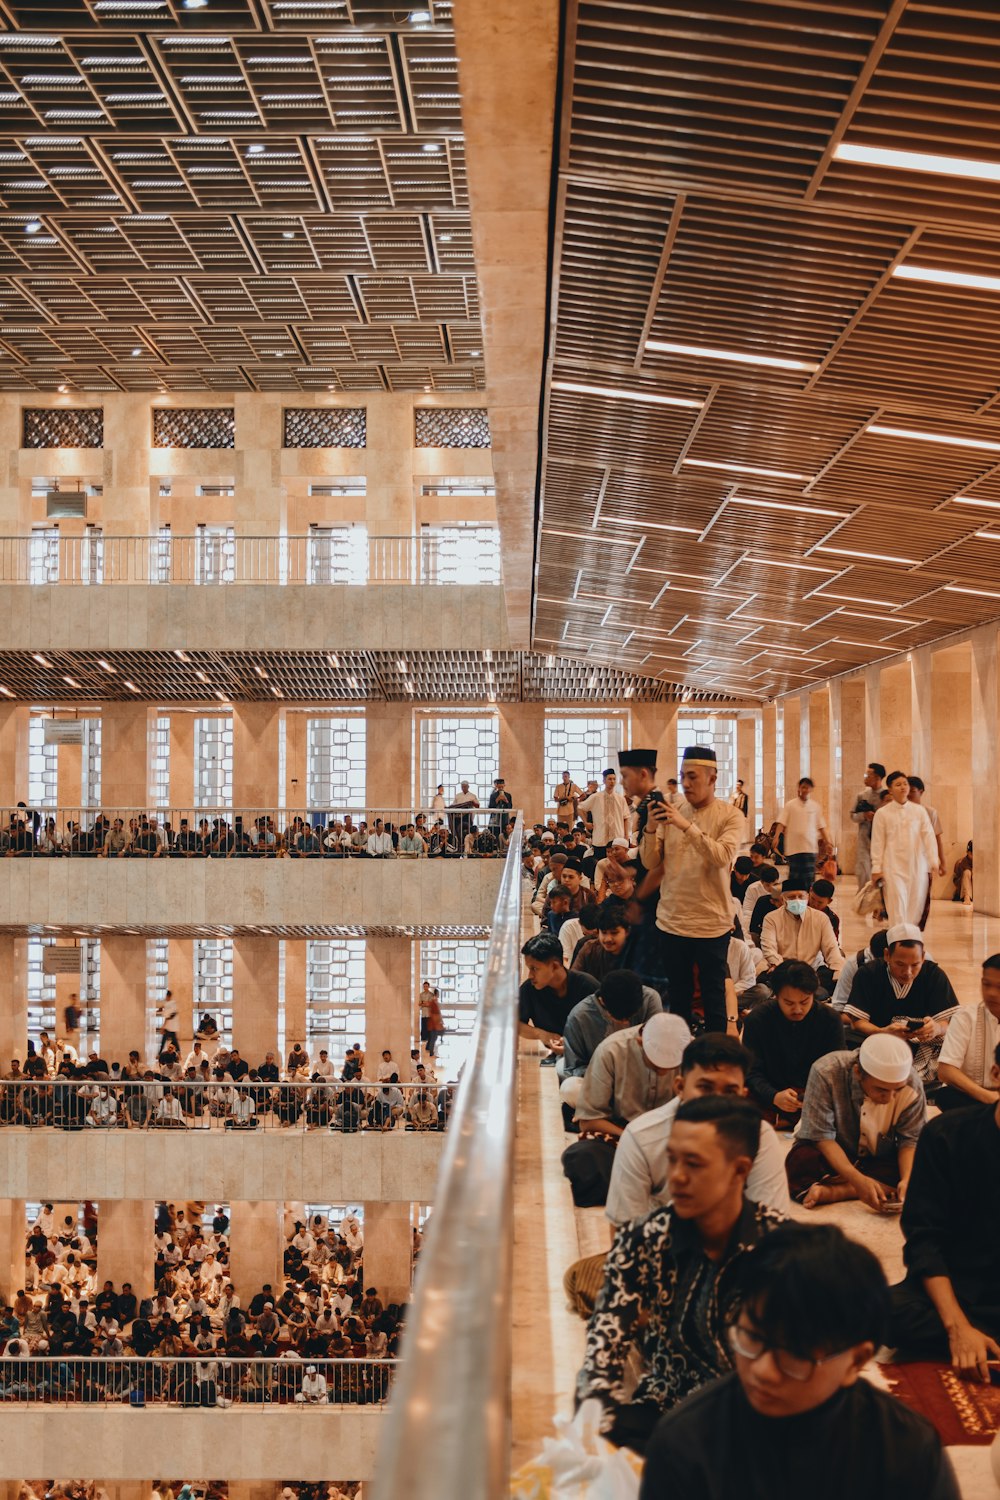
{"x":751,"y":1346}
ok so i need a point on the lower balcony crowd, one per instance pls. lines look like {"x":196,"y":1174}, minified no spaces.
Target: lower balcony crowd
{"x":186,"y":1489}
{"x":216,"y":1088}
{"x":317,"y":1338}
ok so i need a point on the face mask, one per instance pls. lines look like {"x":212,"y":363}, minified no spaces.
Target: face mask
{"x":797,"y":908}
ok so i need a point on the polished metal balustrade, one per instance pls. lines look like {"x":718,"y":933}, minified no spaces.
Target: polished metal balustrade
{"x":200,"y":1379}
{"x":249,"y":832}
{"x":204,"y":1104}
{"x":452,"y":1396}
{"x":217,"y":555}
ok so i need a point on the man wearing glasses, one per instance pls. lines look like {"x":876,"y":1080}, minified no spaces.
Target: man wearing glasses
{"x":794,"y":1416}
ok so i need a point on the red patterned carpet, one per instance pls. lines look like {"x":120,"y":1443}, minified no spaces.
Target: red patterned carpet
{"x":963,"y":1411}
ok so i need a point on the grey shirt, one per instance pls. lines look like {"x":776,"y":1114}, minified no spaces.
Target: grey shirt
{"x":836,"y":1108}
{"x":587,"y":1025}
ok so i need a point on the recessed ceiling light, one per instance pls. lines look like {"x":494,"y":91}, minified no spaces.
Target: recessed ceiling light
{"x":331,"y":387}
{"x":401,"y":665}
{"x":181,"y":655}
{"x":6,"y":692}
{"x":136,"y":353}
{"x":475,"y":353}
{"x":988,"y":536}
{"x":201,"y":676}
{"x":131,"y":686}
{"x":799,"y":510}
{"x":956,"y":588}
{"x":194,"y":4}
{"x":651,"y":398}
{"x":444,"y":239}
{"x":948,"y":278}
{"x":698,"y":351}
{"x":106,"y":665}
{"x":277,"y":692}
{"x":42,"y":661}
{"x":33,"y":226}
{"x":707,"y":463}
{"x":772,"y":562}
{"x":587,"y":536}
{"x":333,"y":659}
{"x":971,"y":500}
{"x":431,"y":146}
{"x":918,"y":161}
{"x":288,"y":234}
{"x":638,"y":525}
{"x":420,"y":17}
{"x":934,"y":437}
{"x":63,"y":390}
{"x":71,"y":681}
{"x":910,"y":562}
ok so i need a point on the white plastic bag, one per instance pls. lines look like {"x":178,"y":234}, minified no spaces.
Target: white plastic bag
{"x":579,"y":1464}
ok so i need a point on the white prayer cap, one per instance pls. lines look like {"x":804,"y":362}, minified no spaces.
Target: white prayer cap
{"x":310,"y":1369}
{"x":664,"y":1038}
{"x":886,"y":1058}
{"x":904,"y":932}
{"x":619,"y":843}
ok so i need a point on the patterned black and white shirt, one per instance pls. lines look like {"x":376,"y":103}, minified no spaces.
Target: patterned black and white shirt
{"x":662,"y":1293}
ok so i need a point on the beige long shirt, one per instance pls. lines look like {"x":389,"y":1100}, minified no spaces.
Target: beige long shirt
{"x":694,"y":892}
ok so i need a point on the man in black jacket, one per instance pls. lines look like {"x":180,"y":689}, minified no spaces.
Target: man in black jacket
{"x":949,"y":1303}
{"x":907,"y":996}
{"x":786,"y":1036}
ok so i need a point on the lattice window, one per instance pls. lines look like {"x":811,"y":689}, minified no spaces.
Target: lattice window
{"x":460,"y":554}
{"x":338,"y":554}
{"x":455,"y":969}
{"x":41,"y":990}
{"x":336,"y":763}
{"x":213,"y":761}
{"x":721,"y":735}
{"x":43,"y":555}
{"x":43,"y":766}
{"x":63,"y":427}
{"x":583,"y":744}
{"x":452,"y":749}
{"x":90,"y":763}
{"x":215,"y":555}
{"x":158,"y":760}
{"x":451,"y":427}
{"x":194,"y":427}
{"x":335,"y":996}
{"x":213,"y":984}
{"x":326,"y":427}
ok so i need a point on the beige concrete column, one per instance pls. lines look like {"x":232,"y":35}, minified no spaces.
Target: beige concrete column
{"x":295,"y":994}
{"x":124,"y":755}
{"x":13,"y":1228}
{"x":389,"y":463}
{"x":847,"y":738}
{"x":522,"y":756}
{"x":746,"y":741}
{"x":873,"y":715}
{"x":818,"y":762}
{"x":654,"y":725}
{"x":388,"y":1250}
{"x":389,"y":755}
{"x":388,"y":998}
{"x":13,"y":1000}
{"x":770,"y":806}
{"x":255,"y":997}
{"x":14,"y":720}
{"x":950,"y":787}
{"x":131,"y":1489}
{"x":293,"y":793}
{"x":792,"y":708}
{"x":69,"y":776}
{"x":123,"y":996}
{"x":180,"y":981}
{"x":896,"y":718}
{"x":182,"y":761}
{"x":125,"y":1250}
{"x":256,"y":727}
{"x":128,"y":438}
{"x":247,"y":1489}
{"x":921,"y":713}
{"x":260,"y":511}
{"x":256,"y":1247}
{"x":985,"y":770}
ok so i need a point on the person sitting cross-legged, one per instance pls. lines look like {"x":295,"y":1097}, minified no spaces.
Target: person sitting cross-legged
{"x":795,"y":1416}
{"x":622,"y":1000}
{"x":796,"y":930}
{"x":862,"y":1115}
{"x":908,"y":996}
{"x":674,"y":1278}
{"x":786,"y":1036}
{"x":965,"y":1064}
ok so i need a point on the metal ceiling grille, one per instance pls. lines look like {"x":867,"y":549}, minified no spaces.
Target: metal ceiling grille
{"x":249,"y":195}
{"x":326,"y":427}
{"x":772,"y":406}
{"x":194,"y":427}
{"x":63,"y":427}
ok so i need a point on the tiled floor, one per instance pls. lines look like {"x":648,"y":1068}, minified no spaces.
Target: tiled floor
{"x":549,"y":1234}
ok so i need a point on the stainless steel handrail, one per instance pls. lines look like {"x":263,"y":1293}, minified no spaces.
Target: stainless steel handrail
{"x":452,"y":1395}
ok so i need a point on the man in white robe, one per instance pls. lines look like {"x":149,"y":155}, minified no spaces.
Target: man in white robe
{"x":904,"y":850}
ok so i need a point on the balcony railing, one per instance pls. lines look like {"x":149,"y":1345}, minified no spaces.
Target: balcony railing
{"x":252,"y":833}
{"x":212,"y":1380}
{"x":102,"y":1103}
{"x":335,"y":555}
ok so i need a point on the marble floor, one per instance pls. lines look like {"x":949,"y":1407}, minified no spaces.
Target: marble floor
{"x":549,"y":1233}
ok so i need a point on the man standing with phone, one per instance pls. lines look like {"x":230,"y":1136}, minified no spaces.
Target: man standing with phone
{"x":688,"y":852}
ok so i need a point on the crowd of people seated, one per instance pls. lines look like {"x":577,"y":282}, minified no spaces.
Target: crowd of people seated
{"x":321,"y":1315}
{"x":184,"y":1489}
{"x":698,"y":1006}
{"x":214,"y":1086}
{"x":435,"y":835}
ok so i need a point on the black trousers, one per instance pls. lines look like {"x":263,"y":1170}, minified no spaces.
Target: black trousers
{"x":680,"y":955}
{"x":915,"y":1328}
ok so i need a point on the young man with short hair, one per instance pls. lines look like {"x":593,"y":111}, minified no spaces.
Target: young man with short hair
{"x":795,"y":1416}
{"x":549,"y":993}
{"x":673,"y":1278}
{"x":803,"y":823}
{"x":965,"y":1063}
{"x":786,"y":1036}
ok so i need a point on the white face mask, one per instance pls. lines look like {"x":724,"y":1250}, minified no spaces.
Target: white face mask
{"x":797,"y":907}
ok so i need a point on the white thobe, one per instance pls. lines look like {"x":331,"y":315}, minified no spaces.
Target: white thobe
{"x":904,"y":851}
